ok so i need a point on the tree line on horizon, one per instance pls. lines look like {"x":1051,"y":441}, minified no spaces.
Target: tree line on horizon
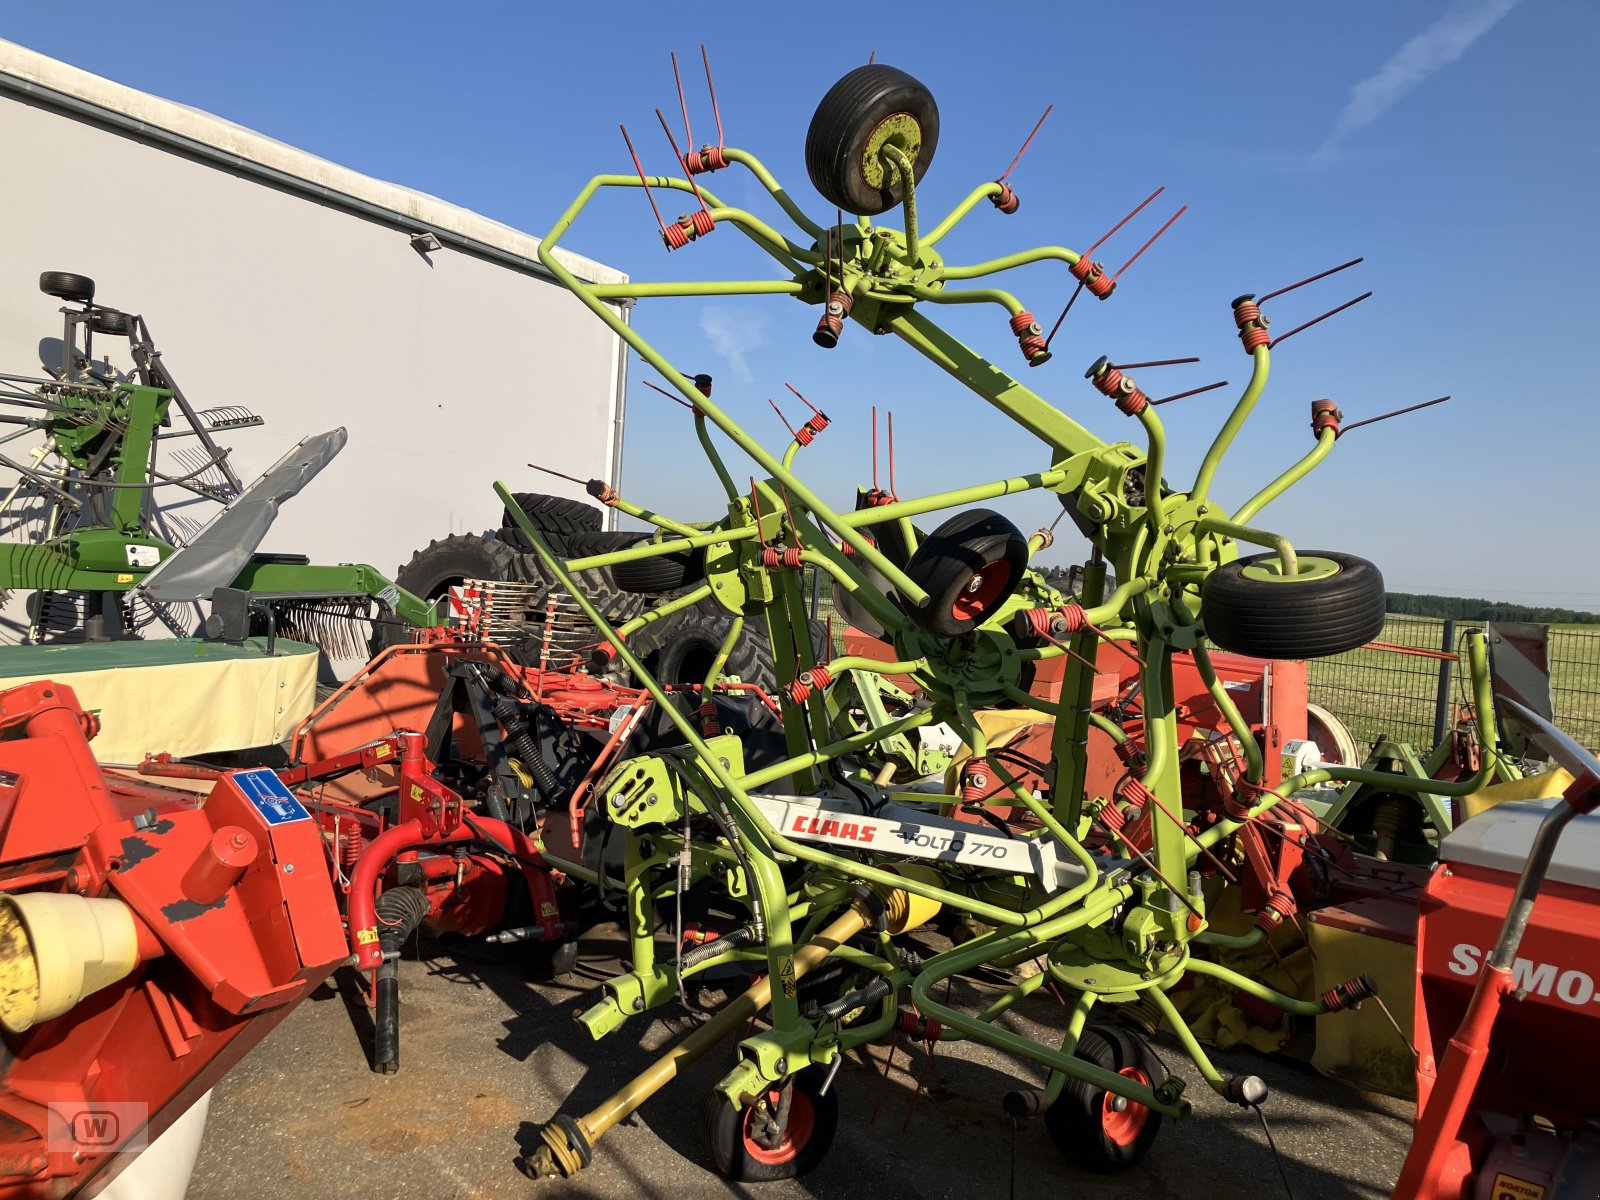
{"x":1462,"y":608}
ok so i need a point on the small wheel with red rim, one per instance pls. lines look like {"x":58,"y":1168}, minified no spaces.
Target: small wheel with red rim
{"x":969,"y":567}
{"x":1099,"y":1130}
{"x":771,"y":1139}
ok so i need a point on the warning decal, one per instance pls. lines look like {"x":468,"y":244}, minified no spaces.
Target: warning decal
{"x":1507,"y":1188}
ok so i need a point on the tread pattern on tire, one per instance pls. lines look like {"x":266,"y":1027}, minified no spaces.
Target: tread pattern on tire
{"x":866,"y":94}
{"x":945,"y":558}
{"x":67,"y":286}
{"x":659,"y":574}
{"x":1313,"y":618}
{"x":556,"y":517}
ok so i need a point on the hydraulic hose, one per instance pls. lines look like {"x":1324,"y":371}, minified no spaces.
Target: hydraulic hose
{"x":525,"y":747}
{"x":400,"y":910}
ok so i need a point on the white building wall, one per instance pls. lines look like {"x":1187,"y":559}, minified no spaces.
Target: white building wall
{"x":449,"y":370}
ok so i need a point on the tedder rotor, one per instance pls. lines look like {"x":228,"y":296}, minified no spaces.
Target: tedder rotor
{"x":824,"y":857}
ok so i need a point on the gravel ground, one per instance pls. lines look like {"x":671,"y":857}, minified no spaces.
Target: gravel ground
{"x":486,"y":1056}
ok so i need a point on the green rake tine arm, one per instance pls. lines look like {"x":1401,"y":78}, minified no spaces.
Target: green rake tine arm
{"x":1230,"y":711}
{"x":1288,"y":479}
{"x":710,"y":537}
{"x":1256,"y":537}
{"x":677,"y":604}
{"x":1261,"y":358}
{"x":982,"y":192}
{"x":1299,"y":1008}
{"x":1021,"y":259}
{"x":1191,"y":1045}
{"x":721,"y":287}
{"x":959,"y":497}
{"x":654,"y":518}
{"x":703,"y":432}
{"x":870,"y":597}
{"x":966,"y":296}
{"x":754,"y":165}
{"x":1155,"y":504}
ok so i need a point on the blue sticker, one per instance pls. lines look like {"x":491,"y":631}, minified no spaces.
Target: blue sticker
{"x":265,"y":790}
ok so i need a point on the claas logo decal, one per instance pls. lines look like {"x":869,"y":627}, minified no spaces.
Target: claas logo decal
{"x":829,"y":827}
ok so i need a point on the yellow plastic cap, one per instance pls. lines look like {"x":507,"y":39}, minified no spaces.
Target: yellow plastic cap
{"x":56,"y":949}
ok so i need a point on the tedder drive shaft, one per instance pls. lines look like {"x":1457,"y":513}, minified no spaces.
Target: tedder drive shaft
{"x":569,"y":1142}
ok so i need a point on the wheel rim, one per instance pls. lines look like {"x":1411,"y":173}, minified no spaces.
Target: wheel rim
{"x":982,"y":590}
{"x":1121,"y":1119}
{"x":795,"y":1134}
{"x":1310,"y":567}
{"x":901,"y":130}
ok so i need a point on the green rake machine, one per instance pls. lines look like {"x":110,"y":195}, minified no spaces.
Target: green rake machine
{"x":81,"y":518}
{"x":823,"y":858}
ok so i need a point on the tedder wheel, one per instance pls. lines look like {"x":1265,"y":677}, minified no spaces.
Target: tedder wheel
{"x":112,"y":322}
{"x":64,"y":285}
{"x":1335,"y":603}
{"x":1098,"y":1130}
{"x":1332,"y":736}
{"x":662,"y":573}
{"x":871,"y":107}
{"x":550,"y":961}
{"x":741,"y":1140}
{"x":968,"y":566}
{"x":555,"y":517}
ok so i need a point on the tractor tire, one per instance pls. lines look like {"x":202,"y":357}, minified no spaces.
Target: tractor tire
{"x":1334,"y":605}
{"x":556,"y":517}
{"x":679,"y":648}
{"x":64,"y":285}
{"x":444,"y":563}
{"x":111,"y":322}
{"x":732,"y":1136}
{"x":1098,"y":1130}
{"x":968,"y":566}
{"x":867,"y":107}
{"x":660,"y":574}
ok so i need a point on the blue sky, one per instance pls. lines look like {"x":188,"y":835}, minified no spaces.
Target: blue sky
{"x":1452,"y":144}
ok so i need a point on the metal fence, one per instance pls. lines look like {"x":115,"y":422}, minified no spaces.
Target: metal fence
{"x":1411,"y":696}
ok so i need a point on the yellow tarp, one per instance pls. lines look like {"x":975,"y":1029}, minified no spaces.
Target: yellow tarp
{"x":182,"y":696}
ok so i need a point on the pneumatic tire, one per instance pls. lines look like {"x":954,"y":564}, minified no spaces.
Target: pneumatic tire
{"x":556,"y":517}
{"x":866,"y":108}
{"x":64,"y":285}
{"x":968,"y":566}
{"x":738,"y":1151}
{"x":111,"y":322}
{"x":659,"y":573}
{"x":1098,"y":1130}
{"x":1336,"y":604}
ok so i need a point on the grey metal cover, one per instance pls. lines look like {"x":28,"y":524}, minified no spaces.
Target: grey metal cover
{"x":1500,"y":839}
{"x":216,"y":555}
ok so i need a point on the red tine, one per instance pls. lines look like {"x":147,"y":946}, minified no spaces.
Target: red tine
{"x":638,"y":166}
{"x":1312,"y":279}
{"x":1150,"y":243}
{"x":1316,"y":320}
{"x":1210,"y":387}
{"x":1025,"y":145}
{"x":1399,"y":412}
{"x":712,"y":88}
